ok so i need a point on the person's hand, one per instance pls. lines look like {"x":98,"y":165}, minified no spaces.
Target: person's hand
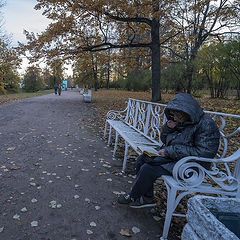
{"x":171,"y":124}
{"x":162,"y":153}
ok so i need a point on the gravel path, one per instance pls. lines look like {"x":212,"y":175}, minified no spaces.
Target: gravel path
{"x":58,"y":178}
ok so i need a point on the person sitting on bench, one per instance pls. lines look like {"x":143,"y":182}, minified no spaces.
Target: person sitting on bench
{"x":187,"y":132}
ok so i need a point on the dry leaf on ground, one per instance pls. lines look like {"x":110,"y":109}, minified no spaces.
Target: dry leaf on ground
{"x":125,"y":232}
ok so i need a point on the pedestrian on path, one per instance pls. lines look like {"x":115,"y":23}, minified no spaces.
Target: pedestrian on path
{"x":188,"y":132}
{"x":56,"y":89}
{"x":59,"y":89}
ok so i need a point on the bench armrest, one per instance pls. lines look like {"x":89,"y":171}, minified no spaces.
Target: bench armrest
{"x":119,"y":115}
{"x":189,"y":172}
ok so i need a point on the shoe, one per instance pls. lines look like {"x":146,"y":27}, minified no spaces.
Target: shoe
{"x":125,"y":199}
{"x":143,"y":202}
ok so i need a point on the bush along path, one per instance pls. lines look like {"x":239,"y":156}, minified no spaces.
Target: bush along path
{"x":58,"y":178}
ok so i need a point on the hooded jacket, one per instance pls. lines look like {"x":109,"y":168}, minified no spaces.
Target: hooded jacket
{"x":199,"y":136}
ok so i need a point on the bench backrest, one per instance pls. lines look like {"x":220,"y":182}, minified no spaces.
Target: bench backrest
{"x":146,"y":118}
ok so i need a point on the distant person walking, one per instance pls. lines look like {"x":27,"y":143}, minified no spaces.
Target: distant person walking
{"x":56,"y":89}
{"x":59,"y":89}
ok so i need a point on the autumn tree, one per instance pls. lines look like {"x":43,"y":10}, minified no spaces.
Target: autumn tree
{"x":33,"y":80}
{"x":101,"y":25}
{"x":198,"y":22}
{"x":80,"y":26}
{"x":83,"y":71}
{"x":230,"y":52}
{"x":219,"y":64}
{"x":9,"y":61}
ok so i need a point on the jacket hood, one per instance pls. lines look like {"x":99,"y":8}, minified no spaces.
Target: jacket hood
{"x":186,"y":103}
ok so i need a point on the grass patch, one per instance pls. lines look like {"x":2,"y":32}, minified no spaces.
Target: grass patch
{"x":21,"y":94}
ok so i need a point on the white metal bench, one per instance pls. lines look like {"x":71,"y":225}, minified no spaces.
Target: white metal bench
{"x":81,"y":91}
{"x":87,"y":97}
{"x":140,"y":124}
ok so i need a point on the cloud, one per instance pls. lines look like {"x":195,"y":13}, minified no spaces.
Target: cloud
{"x":20,"y":16}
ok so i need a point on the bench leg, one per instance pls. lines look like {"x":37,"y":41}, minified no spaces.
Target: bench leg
{"x":172,"y":192}
{"x":109,"y":135}
{"x":116,"y":144}
{"x":105,"y":130}
{"x":125,"y":157}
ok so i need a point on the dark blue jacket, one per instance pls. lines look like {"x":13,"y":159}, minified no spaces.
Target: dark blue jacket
{"x":197,"y":137}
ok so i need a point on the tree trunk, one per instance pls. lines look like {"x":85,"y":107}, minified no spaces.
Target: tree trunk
{"x":94,"y":69}
{"x":156,"y":70}
{"x":189,"y":75}
{"x":108,"y":76}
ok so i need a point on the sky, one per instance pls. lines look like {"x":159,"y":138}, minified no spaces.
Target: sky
{"x":20,"y":15}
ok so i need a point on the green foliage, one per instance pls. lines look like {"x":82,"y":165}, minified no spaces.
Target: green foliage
{"x":219,"y":67}
{"x":12,"y":81}
{"x":135,"y":81}
{"x":9,"y":62}
{"x":173,"y":77}
{"x":33,"y":81}
{"x":2,"y":89}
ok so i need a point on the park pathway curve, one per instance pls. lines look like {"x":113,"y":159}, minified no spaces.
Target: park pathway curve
{"x":58,"y":178}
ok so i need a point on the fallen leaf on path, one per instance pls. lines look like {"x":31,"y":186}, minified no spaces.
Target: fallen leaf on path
{"x":53,"y":204}
{"x":125,"y":232}
{"x":93,"y":224}
{"x":135,"y":230}
{"x":119,"y":193}
{"x":85,"y":169}
{"x":16,"y":217}
{"x":14,"y":167}
{"x":89,"y":232}
{"x":97,"y":208}
{"x":24,"y":209}
{"x":11,"y":148}
{"x":107,"y":166}
{"x":156,"y":218}
{"x":34,"y":223}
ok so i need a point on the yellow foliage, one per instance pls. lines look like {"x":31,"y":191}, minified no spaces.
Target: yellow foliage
{"x":2,"y":89}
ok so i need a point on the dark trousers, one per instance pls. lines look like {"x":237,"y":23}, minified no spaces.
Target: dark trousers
{"x":146,"y":176}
